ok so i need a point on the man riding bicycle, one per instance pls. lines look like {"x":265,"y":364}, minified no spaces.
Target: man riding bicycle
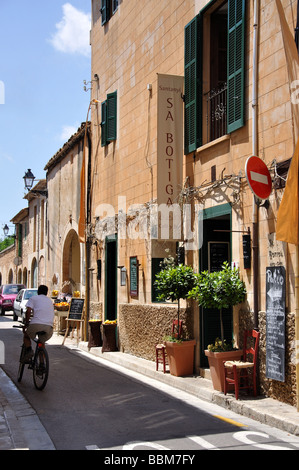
{"x":39,"y":317}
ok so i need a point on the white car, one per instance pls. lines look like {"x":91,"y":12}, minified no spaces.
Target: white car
{"x":19,"y":306}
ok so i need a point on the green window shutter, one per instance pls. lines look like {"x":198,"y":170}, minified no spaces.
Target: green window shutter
{"x":105,"y":11}
{"x":111,"y":116}
{"x":114,"y":6}
{"x":104,"y":123}
{"x":236,"y":65}
{"x":20,"y":240}
{"x":193,"y":85}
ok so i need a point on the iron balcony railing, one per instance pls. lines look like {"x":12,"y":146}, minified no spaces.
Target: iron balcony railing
{"x":216,"y":112}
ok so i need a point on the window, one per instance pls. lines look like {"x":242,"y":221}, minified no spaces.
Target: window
{"x":108,"y":8}
{"x":214,"y":72}
{"x":109,"y":119}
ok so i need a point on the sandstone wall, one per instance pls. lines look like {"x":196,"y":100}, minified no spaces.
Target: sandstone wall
{"x":141,"y":327}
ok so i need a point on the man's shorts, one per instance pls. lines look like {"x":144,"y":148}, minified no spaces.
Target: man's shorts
{"x":34,"y":328}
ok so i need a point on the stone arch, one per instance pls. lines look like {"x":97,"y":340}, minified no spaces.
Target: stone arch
{"x":34,"y":271}
{"x":25,"y":280}
{"x":10,"y":276}
{"x":42,"y":271}
{"x":71,"y":270}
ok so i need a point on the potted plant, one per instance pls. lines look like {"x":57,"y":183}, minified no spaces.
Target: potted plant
{"x":219,"y":289}
{"x":174,"y":282}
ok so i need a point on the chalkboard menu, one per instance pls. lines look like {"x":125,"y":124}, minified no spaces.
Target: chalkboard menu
{"x":247,"y":251}
{"x":275,"y":322}
{"x":76,"y":309}
{"x":218,"y":253}
{"x":133,"y":276}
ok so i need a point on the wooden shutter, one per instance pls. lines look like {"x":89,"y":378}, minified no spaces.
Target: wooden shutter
{"x":104,"y":123}
{"x":105,"y":11}
{"x":236,"y":65}
{"x":114,"y":6}
{"x":111,"y":116}
{"x":20,"y":238}
{"x":193,"y":85}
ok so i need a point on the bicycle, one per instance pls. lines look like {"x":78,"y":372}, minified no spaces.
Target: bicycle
{"x":39,"y":363}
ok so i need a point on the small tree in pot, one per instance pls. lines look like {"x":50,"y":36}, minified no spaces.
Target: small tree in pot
{"x":175,"y":283}
{"x":219,"y":289}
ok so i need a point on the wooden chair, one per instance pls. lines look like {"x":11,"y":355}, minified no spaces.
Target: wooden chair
{"x":237,"y":373}
{"x":161,"y":355}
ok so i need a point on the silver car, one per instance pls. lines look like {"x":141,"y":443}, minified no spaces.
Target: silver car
{"x":19,"y":306}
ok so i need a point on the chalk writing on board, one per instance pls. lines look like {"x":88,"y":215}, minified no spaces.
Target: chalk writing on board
{"x":218,"y":253}
{"x":76,"y":309}
{"x":275,"y":323}
{"x":134,"y":276}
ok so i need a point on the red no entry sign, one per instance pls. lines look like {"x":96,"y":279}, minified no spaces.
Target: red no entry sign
{"x":258,"y":177}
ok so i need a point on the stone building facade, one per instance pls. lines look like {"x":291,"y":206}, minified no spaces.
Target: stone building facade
{"x":65,"y":268}
{"x":231,"y":60}
{"x":7,"y":266}
{"x":183,"y":94}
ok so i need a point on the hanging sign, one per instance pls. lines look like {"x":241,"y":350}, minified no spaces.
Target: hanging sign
{"x":258,"y":177}
{"x":134,"y":276}
{"x":247,"y":251}
{"x":169,"y":138}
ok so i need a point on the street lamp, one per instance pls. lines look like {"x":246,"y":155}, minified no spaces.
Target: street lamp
{"x":5,"y":230}
{"x":28,"y":179}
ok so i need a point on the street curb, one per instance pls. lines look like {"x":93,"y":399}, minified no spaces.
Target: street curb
{"x":262,"y":409}
{"x":25,"y":429}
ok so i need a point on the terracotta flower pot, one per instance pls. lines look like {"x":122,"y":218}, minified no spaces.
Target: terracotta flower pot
{"x":181,"y":357}
{"x":216,"y":365}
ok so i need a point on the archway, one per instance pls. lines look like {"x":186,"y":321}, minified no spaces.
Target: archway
{"x":42,"y":274}
{"x":25,"y":277}
{"x":71,"y":263}
{"x":34,"y":273}
{"x":10,"y":276}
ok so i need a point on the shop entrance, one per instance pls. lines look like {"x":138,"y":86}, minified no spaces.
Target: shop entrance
{"x":111,"y":278}
{"x":216,"y":249}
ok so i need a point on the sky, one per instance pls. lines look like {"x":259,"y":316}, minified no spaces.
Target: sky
{"x":44,"y":59}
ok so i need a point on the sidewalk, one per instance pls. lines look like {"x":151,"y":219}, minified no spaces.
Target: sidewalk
{"x":265,"y":410}
{"x":20,"y":427}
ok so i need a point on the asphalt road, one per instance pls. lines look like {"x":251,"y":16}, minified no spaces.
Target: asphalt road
{"x":87,"y":405}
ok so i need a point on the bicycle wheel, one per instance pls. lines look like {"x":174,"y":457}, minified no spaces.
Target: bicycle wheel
{"x":21,"y":365}
{"x":40,"y":368}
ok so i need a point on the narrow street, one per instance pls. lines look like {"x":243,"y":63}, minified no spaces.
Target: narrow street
{"x":88,"y":406}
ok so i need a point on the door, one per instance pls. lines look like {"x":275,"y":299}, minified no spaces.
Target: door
{"x":111,"y":278}
{"x":216,"y":249}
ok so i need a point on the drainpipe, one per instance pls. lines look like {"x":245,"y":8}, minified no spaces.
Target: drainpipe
{"x":87,"y":241}
{"x":297,"y":322}
{"x":255,"y":226}
{"x":297,"y":262}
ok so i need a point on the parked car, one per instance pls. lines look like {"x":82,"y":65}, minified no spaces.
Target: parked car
{"x":19,"y":306}
{"x":8,"y":293}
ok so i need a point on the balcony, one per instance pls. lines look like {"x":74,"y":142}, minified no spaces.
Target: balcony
{"x":216,"y":112}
